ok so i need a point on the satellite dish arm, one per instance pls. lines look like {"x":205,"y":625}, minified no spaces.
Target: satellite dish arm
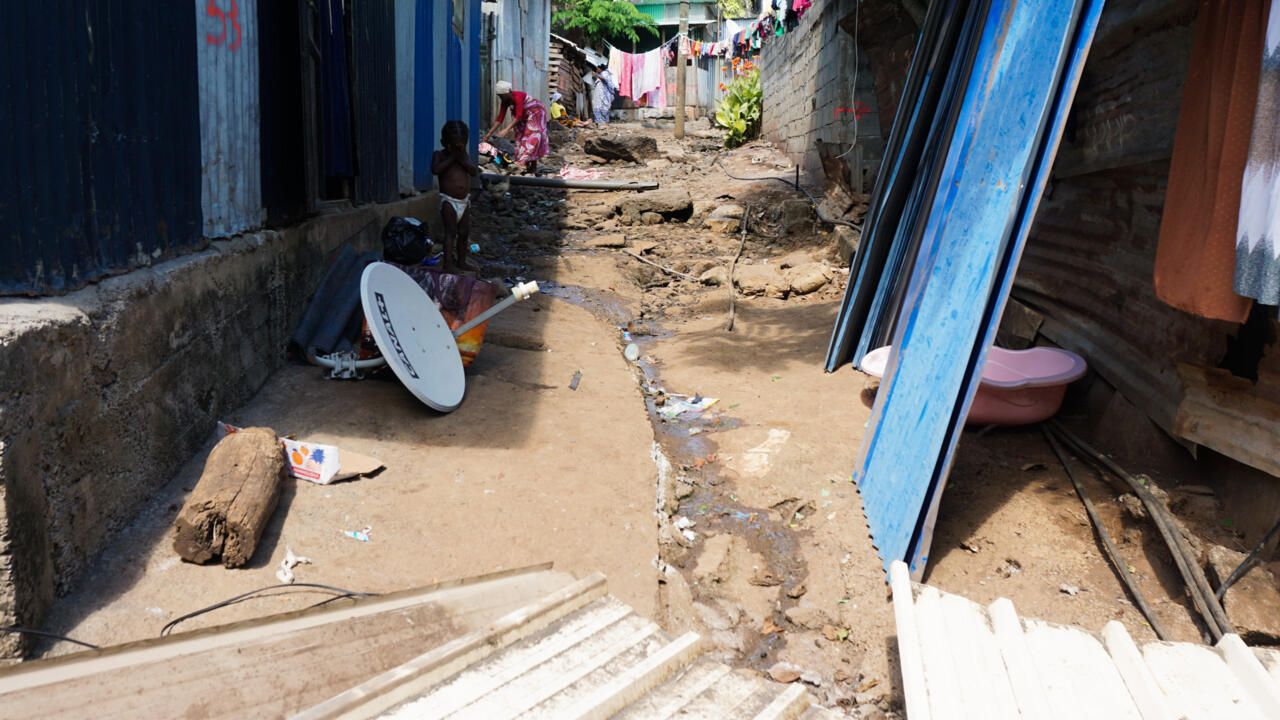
{"x":520,"y":292}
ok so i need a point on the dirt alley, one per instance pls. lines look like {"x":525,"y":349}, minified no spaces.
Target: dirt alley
{"x":759,"y":540}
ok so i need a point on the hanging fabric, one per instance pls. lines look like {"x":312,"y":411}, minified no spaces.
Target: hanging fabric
{"x":1258,"y":238}
{"x":1196,"y":253}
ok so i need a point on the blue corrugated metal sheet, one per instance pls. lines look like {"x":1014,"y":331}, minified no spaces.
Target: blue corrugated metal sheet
{"x":373,"y":59}
{"x":406,"y":14}
{"x":424,"y":93}
{"x":231,"y":167}
{"x":1029,"y":58}
{"x":100,"y":140}
{"x":471,"y":103}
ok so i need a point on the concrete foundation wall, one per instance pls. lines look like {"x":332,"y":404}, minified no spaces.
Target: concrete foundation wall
{"x":809,"y":94}
{"x":107,"y":391}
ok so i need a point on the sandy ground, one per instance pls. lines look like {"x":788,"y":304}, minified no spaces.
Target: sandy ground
{"x":760,"y":542}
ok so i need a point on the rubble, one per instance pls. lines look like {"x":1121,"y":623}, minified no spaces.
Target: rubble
{"x":796,"y":215}
{"x":1253,"y":602}
{"x":674,"y":203}
{"x":761,"y":279}
{"x":808,"y":278}
{"x":614,"y":240}
{"x":807,"y":616}
{"x":725,"y":218}
{"x":715,"y":277}
{"x":629,"y":148}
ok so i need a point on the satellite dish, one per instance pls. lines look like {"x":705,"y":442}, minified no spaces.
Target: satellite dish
{"x":413,"y":336}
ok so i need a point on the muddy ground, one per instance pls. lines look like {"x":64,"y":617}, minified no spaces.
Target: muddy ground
{"x":759,"y":539}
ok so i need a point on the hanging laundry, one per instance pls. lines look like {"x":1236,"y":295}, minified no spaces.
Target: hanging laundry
{"x":638,"y":88}
{"x":652,"y":69}
{"x":620,"y":68}
{"x":1196,"y":253}
{"x":1258,"y":238}
{"x":801,"y":6}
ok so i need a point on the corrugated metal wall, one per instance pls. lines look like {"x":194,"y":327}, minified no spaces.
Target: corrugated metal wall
{"x":406,"y":13}
{"x":100,"y":140}
{"x":445,"y":75}
{"x":231,"y":167}
{"x":284,"y":178}
{"x":521,"y":47}
{"x":1088,"y":265}
{"x":373,"y":59}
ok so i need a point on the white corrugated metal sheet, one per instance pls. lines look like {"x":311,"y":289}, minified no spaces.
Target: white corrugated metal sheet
{"x":961,"y":660}
{"x":521,"y":50}
{"x":230,"y":144}
{"x":406,"y":12}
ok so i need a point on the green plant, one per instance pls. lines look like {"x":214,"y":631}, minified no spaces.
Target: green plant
{"x":740,"y":108}
{"x":602,"y":19}
{"x":734,"y":8}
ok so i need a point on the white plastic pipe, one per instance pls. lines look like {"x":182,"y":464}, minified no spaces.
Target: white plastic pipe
{"x":327,"y":362}
{"x":523,"y":291}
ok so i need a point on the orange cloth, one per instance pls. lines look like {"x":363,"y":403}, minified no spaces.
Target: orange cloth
{"x":1195,"y":257}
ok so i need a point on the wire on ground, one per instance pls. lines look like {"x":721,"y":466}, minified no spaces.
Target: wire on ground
{"x":794,"y":186}
{"x":339,"y":593}
{"x":1107,"y":545}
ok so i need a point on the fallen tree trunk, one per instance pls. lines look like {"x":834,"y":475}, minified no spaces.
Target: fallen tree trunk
{"x":231,"y":505}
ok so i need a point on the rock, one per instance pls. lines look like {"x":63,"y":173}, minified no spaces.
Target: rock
{"x":761,"y":280}
{"x":836,"y":202}
{"x":796,"y":214}
{"x":715,"y":277}
{"x":846,"y":243}
{"x":713,"y":563}
{"x":808,"y":278}
{"x":785,"y":672}
{"x":797,"y":591}
{"x":1253,"y":602}
{"x":1133,"y":506}
{"x":659,"y":164}
{"x":808,"y":617}
{"x":718,"y":614}
{"x":631,"y":148}
{"x":615,"y":240}
{"x":701,"y":208}
{"x":1068,"y":589}
{"x":810,"y":677}
{"x":643,"y":246}
{"x":651,"y":218}
{"x":675,"y":203}
{"x":725,"y":219}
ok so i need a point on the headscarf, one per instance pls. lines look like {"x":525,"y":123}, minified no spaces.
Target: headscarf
{"x":502,"y":87}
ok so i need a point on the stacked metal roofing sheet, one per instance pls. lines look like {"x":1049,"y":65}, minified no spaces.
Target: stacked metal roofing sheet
{"x":976,"y":135}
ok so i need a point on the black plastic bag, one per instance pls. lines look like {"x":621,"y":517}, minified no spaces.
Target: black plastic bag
{"x":405,"y":241}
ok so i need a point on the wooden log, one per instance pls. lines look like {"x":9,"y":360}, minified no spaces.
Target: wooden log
{"x":231,"y":505}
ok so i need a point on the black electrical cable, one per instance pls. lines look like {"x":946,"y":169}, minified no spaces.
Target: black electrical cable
{"x":252,"y":594}
{"x":1105,"y":537}
{"x":793,"y":186}
{"x":1249,"y":561}
{"x":41,"y":633}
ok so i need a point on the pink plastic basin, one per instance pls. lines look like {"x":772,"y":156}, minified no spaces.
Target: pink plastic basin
{"x":1018,"y":387}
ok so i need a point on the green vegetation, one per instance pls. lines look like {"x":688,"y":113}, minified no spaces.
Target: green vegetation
{"x":734,"y":8}
{"x":601,"y":19}
{"x":739,"y":110}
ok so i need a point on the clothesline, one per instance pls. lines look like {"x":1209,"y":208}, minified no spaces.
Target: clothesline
{"x":660,"y":47}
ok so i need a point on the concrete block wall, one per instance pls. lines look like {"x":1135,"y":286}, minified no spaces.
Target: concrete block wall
{"x":808,"y":76}
{"x":109,"y":390}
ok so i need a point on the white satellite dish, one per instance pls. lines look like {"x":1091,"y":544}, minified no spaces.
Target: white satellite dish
{"x":413,"y":336}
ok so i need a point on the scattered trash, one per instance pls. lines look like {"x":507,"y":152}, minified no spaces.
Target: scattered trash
{"x":290,"y":561}
{"x":695,"y":431}
{"x":474,"y":248}
{"x":1071,"y":590}
{"x":577,"y":378}
{"x":319,"y":463}
{"x":970,"y":546}
{"x":810,"y":677}
{"x":631,"y":352}
{"x":362,"y":535}
{"x":684,"y":523}
{"x":689,"y":535}
{"x":405,"y":241}
{"x":1010,"y":568}
{"x":677,"y":405}
{"x":572,"y":173}
{"x":770,"y":627}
